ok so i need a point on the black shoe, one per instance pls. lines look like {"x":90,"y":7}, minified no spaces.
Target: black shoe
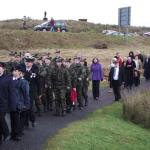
{"x":39,"y":114}
{"x":63,"y":114}
{"x":26,"y":127}
{"x":6,"y":138}
{"x":33,"y":124}
{"x":86,"y":104}
{"x":97,"y":98}
{"x":56,"y":114}
{"x":0,"y":139}
{"x":15,"y":139}
{"x":45,"y":110}
{"x":80,"y":108}
{"x":68,"y":111}
{"x":74,"y":108}
{"x":21,"y":134}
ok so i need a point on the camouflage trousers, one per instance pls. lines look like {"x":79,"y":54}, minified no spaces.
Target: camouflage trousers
{"x":79,"y":95}
{"x":60,"y":100}
{"x":85,"y":94}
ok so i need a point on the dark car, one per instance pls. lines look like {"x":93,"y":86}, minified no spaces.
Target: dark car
{"x":59,"y":26}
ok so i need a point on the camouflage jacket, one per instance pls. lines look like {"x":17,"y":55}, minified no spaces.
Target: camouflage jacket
{"x":59,"y":78}
{"x":80,"y":72}
{"x":73,"y":77}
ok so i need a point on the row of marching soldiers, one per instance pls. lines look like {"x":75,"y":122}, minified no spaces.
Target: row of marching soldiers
{"x":30,"y":86}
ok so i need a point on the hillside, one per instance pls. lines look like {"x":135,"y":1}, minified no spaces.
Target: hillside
{"x":85,"y":39}
{"x":73,"y":26}
{"x":20,"y":39}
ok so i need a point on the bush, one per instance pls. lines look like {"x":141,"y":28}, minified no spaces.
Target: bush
{"x":100,"y":45}
{"x":136,"y":106}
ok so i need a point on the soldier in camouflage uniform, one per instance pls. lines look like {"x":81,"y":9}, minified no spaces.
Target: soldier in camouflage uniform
{"x":85,"y":81}
{"x":78,"y":68}
{"x":73,"y":78}
{"x":60,"y":82}
{"x":57,"y":56}
{"x":42,"y":80}
{"x":49,"y":92}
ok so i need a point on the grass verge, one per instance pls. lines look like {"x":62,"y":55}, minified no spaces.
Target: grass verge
{"x":102,"y":130}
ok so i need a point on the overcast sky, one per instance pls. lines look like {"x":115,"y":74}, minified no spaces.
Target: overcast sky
{"x":97,"y":11}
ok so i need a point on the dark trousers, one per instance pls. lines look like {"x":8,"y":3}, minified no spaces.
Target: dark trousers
{"x":116,"y":89}
{"x":137,"y":78}
{"x":96,"y":88}
{"x":85,"y":94}
{"x":15,"y":124}
{"x":30,"y":115}
{"x":68,"y":101}
{"x":4,"y":131}
{"x":22,"y":120}
{"x":49,"y":99}
{"x":79,"y":95}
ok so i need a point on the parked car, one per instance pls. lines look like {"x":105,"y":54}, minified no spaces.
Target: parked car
{"x":147,"y":34}
{"x":59,"y":25}
{"x":132,"y":34}
{"x":112,"y":32}
{"x":108,"y":31}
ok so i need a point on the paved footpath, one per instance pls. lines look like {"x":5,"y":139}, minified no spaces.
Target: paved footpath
{"x":48,"y":125}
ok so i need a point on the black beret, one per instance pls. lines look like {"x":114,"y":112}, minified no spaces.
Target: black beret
{"x":2,"y":64}
{"x":59,"y":60}
{"x":19,"y":68}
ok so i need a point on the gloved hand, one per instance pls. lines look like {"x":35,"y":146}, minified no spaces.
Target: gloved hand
{"x":68,"y":88}
{"x":79,"y":79}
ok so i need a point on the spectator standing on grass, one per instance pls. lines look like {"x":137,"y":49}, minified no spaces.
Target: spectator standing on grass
{"x":131,"y":54}
{"x":116,"y":79}
{"x":140,"y":56}
{"x":137,"y":70}
{"x":129,"y":73}
{"x":52,"y":24}
{"x":147,"y":67}
{"x":119,"y":58}
{"x":24,"y":24}
{"x":97,"y":76}
{"x":124,"y":68}
{"x":112,"y":64}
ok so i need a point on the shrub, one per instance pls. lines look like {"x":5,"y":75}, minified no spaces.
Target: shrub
{"x":100,"y":45}
{"x":136,"y":106}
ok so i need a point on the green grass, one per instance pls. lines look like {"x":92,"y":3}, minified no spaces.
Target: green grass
{"x":102,"y":130}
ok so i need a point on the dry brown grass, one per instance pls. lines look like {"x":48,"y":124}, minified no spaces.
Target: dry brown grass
{"x":136,"y":106}
{"x":18,"y":40}
{"x":104,"y":55}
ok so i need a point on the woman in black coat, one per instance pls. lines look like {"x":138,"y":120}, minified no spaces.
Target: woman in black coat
{"x":129,"y":73}
{"x":147,"y":68}
{"x":131,"y":54}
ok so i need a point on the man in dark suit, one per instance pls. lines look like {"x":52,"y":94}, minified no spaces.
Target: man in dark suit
{"x":116,"y":79}
{"x":31,"y":75}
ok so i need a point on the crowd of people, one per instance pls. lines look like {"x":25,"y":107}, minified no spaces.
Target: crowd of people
{"x":127,"y":71}
{"x":31,"y":85}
